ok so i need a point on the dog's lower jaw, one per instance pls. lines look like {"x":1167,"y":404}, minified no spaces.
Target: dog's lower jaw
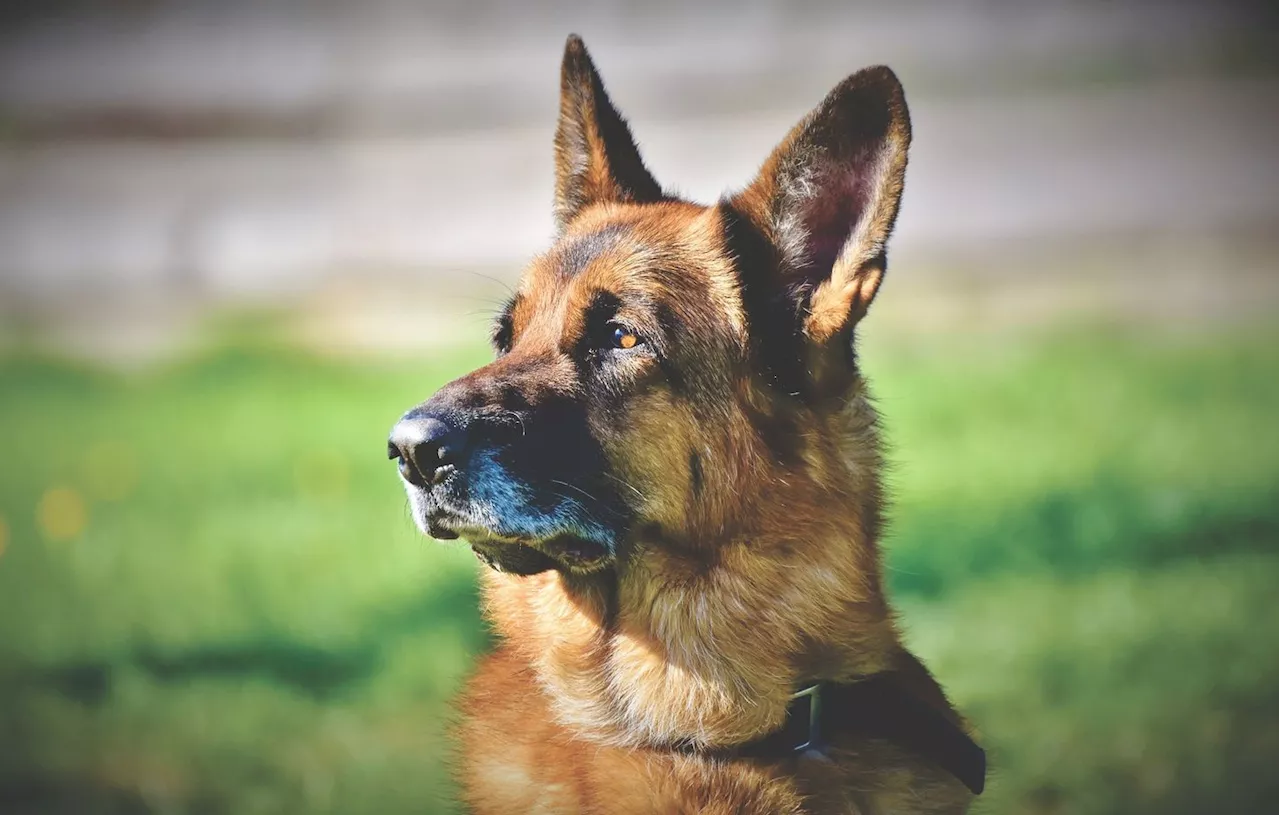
{"x":513,"y":558}
{"x":566,"y":553}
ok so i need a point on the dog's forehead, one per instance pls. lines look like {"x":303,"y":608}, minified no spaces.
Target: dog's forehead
{"x":574,"y":254}
{"x":672,"y":251}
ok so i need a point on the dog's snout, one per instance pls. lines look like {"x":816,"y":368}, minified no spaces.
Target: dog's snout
{"x":426,"y":447}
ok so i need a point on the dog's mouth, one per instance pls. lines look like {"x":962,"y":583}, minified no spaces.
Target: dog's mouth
{"x":564,"y":552}
{"x":524,"y":556}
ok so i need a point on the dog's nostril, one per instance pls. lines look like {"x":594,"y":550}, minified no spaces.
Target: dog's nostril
{"x":425,"y":446}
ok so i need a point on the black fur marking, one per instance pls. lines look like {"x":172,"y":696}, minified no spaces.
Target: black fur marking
{"x":773,"y":319}
{"x":781,"y":434}
{"x":695,"y":473}
{"x":503,"y":328}
{"x":595,"y":334}
{"x":673,"y":343}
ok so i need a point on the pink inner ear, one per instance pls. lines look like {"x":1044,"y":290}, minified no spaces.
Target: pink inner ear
{"x":839,"y":197}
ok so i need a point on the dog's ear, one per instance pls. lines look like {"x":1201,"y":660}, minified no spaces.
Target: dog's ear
{"x":827,"y":198}
{"x":596,"y":158}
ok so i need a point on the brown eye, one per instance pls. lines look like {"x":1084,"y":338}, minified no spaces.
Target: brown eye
{"x":622,"y":338}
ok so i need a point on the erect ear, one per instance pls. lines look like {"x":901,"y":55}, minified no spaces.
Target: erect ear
{"x":828,"y":196}
{"x":596,"y":159}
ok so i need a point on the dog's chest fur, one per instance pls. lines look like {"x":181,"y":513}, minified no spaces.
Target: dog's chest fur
{"x":516,"y":759}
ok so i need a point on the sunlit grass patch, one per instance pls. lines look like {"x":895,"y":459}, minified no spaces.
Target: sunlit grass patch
{"x":1070,"y":453}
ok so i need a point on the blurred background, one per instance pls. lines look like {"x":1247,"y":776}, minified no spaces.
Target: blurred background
{"x":238,"y":239}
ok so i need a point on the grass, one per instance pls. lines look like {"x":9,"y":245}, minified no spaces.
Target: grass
{"x":212,"y":600}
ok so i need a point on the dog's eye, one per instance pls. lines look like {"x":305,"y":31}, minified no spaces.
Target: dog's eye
{"x":624,"y":338}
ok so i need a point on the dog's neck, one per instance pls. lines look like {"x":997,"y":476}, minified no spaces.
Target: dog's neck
{"x":676,"y":647}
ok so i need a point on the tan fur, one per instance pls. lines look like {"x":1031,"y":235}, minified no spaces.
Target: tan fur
{"x":747,"y":577}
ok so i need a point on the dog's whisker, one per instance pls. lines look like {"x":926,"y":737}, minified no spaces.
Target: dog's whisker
{"x":626,"y":484}
{"x":486,"y":313}
{"x":504,"y":284}
{"x":596,"y":501}
{"x":520,"y":419}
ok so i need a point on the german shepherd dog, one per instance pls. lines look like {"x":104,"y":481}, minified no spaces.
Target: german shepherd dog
{"x":673,"y":471}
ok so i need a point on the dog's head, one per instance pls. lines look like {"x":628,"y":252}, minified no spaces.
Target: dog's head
{"x":664,"y":363}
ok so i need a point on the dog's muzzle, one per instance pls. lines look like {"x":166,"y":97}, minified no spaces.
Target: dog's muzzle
{"x":461,"y":483}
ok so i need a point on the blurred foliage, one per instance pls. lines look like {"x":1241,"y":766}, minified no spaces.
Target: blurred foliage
{"x":212,"y":598}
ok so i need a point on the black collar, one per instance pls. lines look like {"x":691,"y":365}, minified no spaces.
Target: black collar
{"x":876,"y":707}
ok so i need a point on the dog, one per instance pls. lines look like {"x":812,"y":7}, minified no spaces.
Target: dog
{"x":672,"y":469}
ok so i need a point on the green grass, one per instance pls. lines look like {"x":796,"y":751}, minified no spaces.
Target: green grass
{"x":1083,"y":546}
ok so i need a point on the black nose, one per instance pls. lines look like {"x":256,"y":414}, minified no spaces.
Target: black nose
{"x":427,"y":447}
